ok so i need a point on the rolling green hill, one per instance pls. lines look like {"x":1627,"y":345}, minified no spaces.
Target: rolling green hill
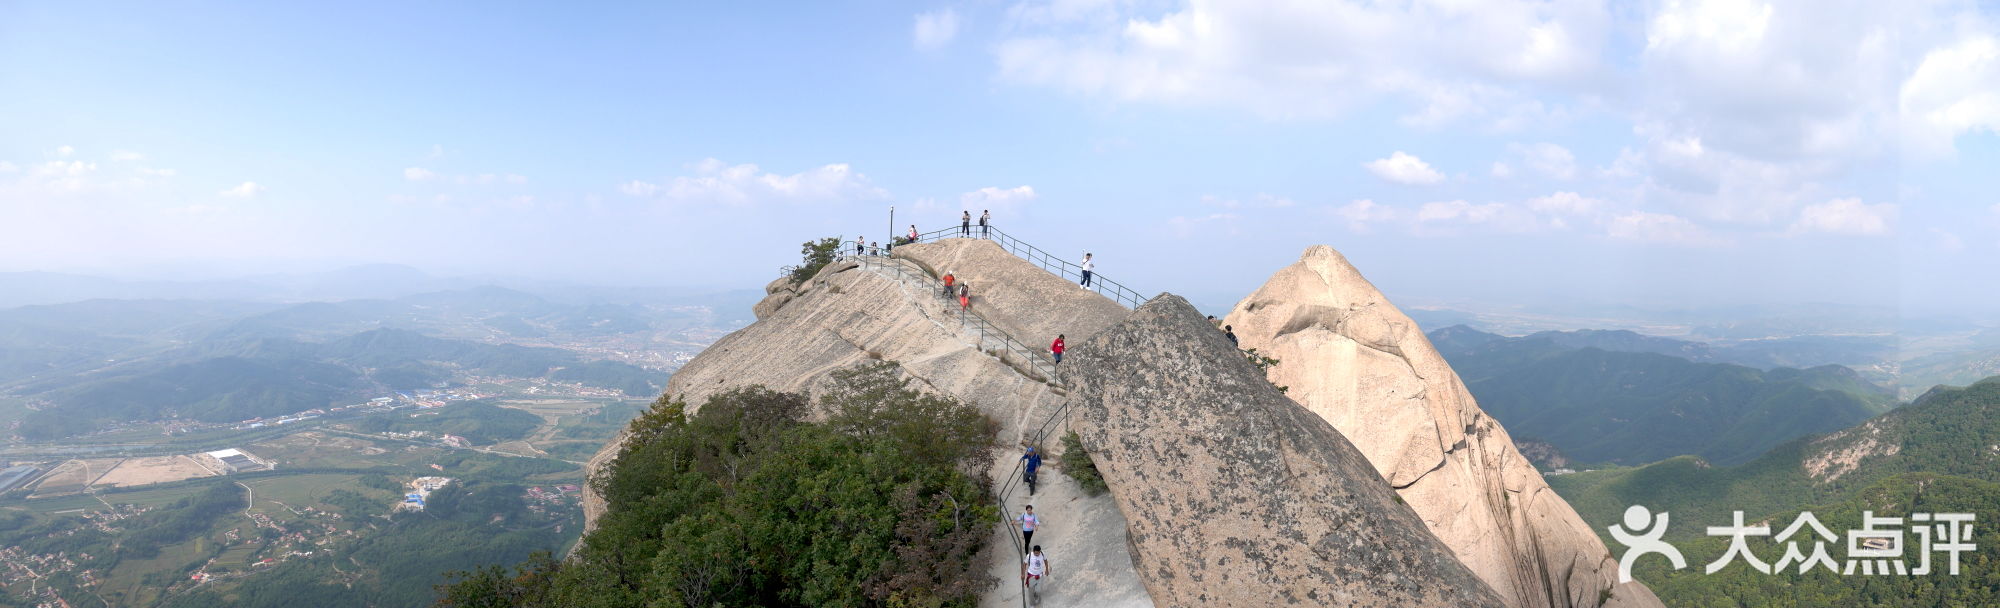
{"x":1599,"y":405}
{"x":1940,"y":454}
{"x":1949,"y":431}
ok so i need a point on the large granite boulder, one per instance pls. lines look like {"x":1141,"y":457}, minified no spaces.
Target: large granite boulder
{"x":1348,"y":355}
{"x":1234,"y":495}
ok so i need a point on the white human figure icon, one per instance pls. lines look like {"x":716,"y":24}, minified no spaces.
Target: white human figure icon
{"x":1641,"y":541}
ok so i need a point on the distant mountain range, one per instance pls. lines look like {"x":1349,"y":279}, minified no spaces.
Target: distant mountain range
{"x":86,"y":364}
{"x":1620,"y":397}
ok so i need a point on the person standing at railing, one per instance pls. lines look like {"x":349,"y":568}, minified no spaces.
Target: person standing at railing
{"x":1087,"y":267}
{"x":874,"y":248}
{"x":859,"y":244}
{"x":985,"y":215}
{"x":913,"y":233}
{"x":965,"y":223}
{"x":1057,"y":348}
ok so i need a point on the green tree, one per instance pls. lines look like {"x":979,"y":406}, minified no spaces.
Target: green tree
{"x":746,"y":503}
{"x":814,"y":256}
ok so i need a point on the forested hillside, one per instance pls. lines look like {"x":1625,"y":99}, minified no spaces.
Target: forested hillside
{"x":1603,"y":406}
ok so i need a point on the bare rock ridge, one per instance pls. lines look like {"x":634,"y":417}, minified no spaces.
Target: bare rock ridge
{"x":1233,"y":494}
{"x":848,"y":315}
{"x":1351,"y":358}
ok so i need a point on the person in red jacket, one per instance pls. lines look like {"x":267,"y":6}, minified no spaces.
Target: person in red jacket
{"x":1057,"y":348}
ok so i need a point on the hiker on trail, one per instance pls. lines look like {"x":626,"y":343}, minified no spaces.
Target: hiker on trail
{"x":1028,"y":524}
{"x":1229,"y":332}
{"x":874,"y":248}
{"x":1034,"y":568}
{"x":985,"y":215}
{"x":1057,"y":348}
{"x":913,"y":233}
{"x":1034,"y":459}
{"x":859,"y":244}
{"x":965,"y":223}
{"x":948,"y":280}
{"x":1087,"y":267}
{"x":1214,"y":321}
{"x":964,"y":296}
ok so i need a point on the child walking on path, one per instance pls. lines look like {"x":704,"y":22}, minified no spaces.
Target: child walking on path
{"x":1057,"y":348}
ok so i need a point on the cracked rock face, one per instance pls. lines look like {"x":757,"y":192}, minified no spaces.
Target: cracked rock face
{"x":1349,"y":356}
{"x":1233,"y":494}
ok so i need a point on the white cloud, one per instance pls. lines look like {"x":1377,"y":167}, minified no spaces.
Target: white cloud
{"x":1445,"y":217}
{"x":1007,"y":200}
{"x":7,"y":167}
{"x":1363,"y":212}
{"x":1565,"y":203}
{"x":1658,"y":228}
{"x":1445,"y":60}
{"x":157,"y":172}
{"x":437,"y":152}
{"x":126,"y":156}
{"x":1208,"y":225}
{"x":65,"y":151}
{"x":719,"y":182}
{"x":1403,"y":168}
{"x":935,"y":29}
{"x":1947,"y":241}
{"x":1261,"y":201}
{"x":639,"y":188}
{"x":243,"y":190}
{"x":1954,"y":90}
{"x":420,"y":174}
{"x":1848,"y":216}
{"x":1549,"y":159}
{"x":1460,"y":211}
{"x":1502,"y":170}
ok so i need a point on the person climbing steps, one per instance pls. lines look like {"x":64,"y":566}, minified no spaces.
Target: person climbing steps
{"x":1034,"y":462}
{"x":1057,"y":348}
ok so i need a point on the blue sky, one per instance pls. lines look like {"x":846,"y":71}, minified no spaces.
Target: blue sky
{"x":1496,"y":153}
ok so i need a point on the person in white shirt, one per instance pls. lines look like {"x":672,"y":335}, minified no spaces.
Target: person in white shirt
{"x":985,"y":215}
{"x":1034,"y":568}
{"x":1087,"y":267}
{"x":1028,"y":524}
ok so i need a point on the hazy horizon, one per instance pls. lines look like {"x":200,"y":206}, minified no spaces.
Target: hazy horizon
{"x":1676,"y":155}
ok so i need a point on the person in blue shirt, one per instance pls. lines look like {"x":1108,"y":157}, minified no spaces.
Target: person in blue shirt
{"x":1034,"y":458}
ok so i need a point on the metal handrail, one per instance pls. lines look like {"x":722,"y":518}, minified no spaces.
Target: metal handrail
{"x":873,"y":261}
{"x":1114,"y":290}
